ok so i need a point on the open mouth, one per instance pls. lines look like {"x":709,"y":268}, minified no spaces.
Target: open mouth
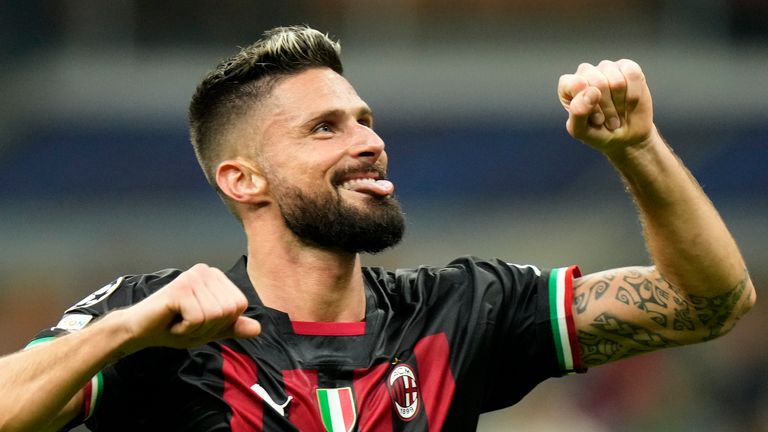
{"x":368,"y":182}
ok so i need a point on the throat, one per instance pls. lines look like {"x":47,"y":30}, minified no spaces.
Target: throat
{"x":320,"y":292}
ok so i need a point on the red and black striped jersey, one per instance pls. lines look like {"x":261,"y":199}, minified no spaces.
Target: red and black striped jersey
{"x":438,"y":347}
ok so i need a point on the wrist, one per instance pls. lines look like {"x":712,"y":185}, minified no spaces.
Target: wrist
{"x":118,"y":328}
{"x":638,"y":153}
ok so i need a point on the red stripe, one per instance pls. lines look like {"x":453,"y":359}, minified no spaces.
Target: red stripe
{"x":87,"y":395}
{"x":374,"y":405}
{"x":303,"y":411}
{"x":572,"y":272}
{"x":312,"y":328}
{"x":347,"y":407}
{"x":437,"y":386}
{"x":239,"y":375}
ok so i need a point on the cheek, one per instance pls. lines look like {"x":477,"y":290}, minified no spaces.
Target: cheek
{"x":305,"y":165}
{"x":303,"y":174}
{"x":383,"y":159}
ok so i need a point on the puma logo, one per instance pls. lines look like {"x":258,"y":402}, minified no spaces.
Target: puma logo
{"x":262,"y":393}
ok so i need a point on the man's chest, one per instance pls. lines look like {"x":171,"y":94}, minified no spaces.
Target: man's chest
{"x":391,"y":387}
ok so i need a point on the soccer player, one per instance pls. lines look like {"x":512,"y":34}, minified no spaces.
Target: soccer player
{"x":299,"y":336}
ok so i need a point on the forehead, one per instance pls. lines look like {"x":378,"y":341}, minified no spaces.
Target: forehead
{"x":304,"y":95}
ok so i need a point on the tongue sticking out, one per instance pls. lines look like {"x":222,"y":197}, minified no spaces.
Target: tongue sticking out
{"x":380,"y":188}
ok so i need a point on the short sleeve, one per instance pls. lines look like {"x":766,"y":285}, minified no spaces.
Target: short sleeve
{"x":529,"y":330}
{"x":121,"y":292}
{"x":560,"y":309}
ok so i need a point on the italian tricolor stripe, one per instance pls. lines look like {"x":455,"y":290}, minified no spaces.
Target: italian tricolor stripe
{"x":92,"y":395}
{"x":337,"y":408}
{"x":561,"y":317}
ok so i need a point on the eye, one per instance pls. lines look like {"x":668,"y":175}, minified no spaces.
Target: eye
{"x":366,"y":121}
{"x":322,"y":128}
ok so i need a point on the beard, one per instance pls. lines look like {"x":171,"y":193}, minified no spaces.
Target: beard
{"x":325,"y":220}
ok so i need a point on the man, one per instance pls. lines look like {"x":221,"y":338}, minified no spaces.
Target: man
{"x":299,"y":336}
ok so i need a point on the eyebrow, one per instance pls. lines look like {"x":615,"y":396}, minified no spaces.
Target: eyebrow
{"x":338,"y":113}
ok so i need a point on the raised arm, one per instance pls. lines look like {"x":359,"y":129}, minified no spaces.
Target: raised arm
{"x":699,"y":286}
{"x":42,"y":385}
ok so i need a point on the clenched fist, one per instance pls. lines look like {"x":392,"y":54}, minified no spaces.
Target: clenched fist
{"x":199,"y":306}
{"x":609,"y":105}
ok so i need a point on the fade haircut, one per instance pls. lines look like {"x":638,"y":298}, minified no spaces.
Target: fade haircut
{"x":239,"y":83}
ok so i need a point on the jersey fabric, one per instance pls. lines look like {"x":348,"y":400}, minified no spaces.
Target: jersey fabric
{"x":438,"y":347}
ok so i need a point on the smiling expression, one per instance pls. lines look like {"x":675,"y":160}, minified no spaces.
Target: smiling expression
{"x":325,"y":166}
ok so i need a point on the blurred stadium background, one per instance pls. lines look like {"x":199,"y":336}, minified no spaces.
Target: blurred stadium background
{"x":97,"y":177}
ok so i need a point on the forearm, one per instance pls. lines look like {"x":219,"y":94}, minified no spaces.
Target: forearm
{"x":699,"y":286}
{"x":40,"y":382}
{"x":199,"y":306}
{"x":686,"y":237}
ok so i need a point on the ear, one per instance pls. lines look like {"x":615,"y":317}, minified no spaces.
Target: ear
{"x":241,"y":181}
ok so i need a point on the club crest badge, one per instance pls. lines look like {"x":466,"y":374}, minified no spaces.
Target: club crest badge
{"x":337,"y":408}
{"x":404,"y":391}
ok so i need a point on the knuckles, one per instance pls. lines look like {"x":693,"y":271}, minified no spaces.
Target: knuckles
{"x":616,"y":74}
{"x":218,"y":299}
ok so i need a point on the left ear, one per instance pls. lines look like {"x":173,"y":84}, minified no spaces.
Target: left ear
{"x":241,"y":181}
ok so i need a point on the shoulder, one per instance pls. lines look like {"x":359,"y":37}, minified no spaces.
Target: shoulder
{"x":124,"y":291}
{"x":461,"y":277}
{"x":471,"y":270}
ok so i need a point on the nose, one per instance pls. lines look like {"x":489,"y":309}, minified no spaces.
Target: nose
{"x":367,"y":144}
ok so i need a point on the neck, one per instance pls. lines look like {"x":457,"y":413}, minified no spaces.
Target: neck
{"x":307,"y":283}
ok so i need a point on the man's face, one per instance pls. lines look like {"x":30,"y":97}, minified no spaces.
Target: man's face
{"x":325,"y":166}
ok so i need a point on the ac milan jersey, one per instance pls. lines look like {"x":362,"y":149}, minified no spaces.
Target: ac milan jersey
{"x":438,"y":347}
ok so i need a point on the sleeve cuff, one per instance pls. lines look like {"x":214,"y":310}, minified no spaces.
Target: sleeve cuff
{"x":92,"y":395}
{"x":561,"y":319}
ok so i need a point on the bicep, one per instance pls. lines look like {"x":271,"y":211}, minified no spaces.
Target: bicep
{"x":628,"y":311}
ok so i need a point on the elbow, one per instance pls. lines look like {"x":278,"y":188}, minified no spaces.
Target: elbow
{"x":745,"y":302}
{"x":750,"y":299}
{"x":720,"y":320}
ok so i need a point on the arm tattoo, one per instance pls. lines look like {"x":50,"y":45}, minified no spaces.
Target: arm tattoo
{"x":605,"y":344}
{"x":716,"y":312}
{"x":661,"y":301}
{"x":596,"y":291}
{"x":636,"y":310}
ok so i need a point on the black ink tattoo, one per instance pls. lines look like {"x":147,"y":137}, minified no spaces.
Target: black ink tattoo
{"x":716,"y":313}
{"x":596,"y":291}
{"x":671,"y":317}
{"x":616,"y":339}
{"x":641,"y":336}
{"x":596,"y":349}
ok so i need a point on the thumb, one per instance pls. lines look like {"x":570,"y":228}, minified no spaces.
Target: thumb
{"x":583,"y":107}
{"x":245,"y":328}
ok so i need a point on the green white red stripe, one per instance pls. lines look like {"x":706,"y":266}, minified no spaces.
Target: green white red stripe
{"x":561,"y":317}
{"x":92,"y":395}
{"x":337,"y":409}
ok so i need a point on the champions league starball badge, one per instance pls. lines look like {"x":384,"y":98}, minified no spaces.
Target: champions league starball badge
{"x":404,"y":391}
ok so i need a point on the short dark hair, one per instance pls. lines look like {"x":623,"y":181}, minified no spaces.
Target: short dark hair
{"x":238,"y":83}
